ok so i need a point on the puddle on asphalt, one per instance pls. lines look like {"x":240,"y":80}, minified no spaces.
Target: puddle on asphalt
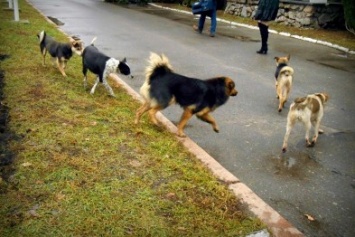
{"x":295,"y":164}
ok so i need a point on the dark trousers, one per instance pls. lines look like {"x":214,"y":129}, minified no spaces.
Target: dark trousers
{"x":264,"y":33}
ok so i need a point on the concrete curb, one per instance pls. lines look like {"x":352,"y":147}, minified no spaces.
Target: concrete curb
{"x":278,"y":225}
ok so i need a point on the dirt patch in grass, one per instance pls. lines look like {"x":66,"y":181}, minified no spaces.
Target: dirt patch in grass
{"x":6,"y":155}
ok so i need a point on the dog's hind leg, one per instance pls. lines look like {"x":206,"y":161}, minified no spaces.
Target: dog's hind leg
{"x":281,"y":103}
{"x":206,"y":117}
{"x":85,"y":70}
{"x":152,"y":114}
{"x":316,"y":132}
{"x":187,"y":114}
{"x":308,"y":126}
{"x":44,"y":53}
{"x":144,"y":108}
{"x":289,"y":126}
{"x":95,"y":85}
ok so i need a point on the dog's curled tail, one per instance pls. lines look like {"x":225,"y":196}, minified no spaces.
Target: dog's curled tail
{"x":158,"y":64}
{"x":41,"y":36}
{"x":287,"y":71}
{"x":300,"y":103}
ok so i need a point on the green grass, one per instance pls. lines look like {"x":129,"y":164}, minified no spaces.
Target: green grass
{"x":83,"y":169}
{"x":339,"y":37}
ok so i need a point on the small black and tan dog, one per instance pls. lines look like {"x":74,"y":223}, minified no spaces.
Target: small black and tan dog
{"x":102,"y":65}
{"x":163,"y":87}
{"x":284,"y":78}
{"x":60,"y":52}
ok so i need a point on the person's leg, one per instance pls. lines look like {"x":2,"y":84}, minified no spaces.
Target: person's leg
{"x":201,"y":22}
{"x":213,"y":22}
{"x":264,"y":33}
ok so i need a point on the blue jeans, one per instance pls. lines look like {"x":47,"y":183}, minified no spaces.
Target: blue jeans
{"x":201,"y":22}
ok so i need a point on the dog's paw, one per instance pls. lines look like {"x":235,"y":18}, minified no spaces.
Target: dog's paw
{"x":280,"y":110}
{"x":284,"y":149}
{"x":320,"y":131}
{"x":181,"y":134}
{"x":216,"y":130}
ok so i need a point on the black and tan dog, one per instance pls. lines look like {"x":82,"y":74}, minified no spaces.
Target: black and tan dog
{"x":309,"y":110}
{"x":284,"y":77}
{"x":60,"y":52}
{"x":163,"y":87}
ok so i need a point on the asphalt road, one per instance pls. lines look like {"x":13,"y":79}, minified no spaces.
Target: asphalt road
{"x":319,"y":181}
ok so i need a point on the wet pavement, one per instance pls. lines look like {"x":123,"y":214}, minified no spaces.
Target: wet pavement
{"x":316,"y":182}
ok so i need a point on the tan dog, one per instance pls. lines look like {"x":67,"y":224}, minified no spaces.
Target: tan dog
{"x":283,"y":76}
{"x":309,"y":110}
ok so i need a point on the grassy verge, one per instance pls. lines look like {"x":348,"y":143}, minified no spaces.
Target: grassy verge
{"x":82,"y":169}
{"x":339,"y":37}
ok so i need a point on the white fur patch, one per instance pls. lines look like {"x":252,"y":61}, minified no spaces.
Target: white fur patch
{"x":111,"y":67}
{"x":41,"y":36}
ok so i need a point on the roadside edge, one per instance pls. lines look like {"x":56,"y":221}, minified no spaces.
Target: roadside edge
{"x":277,"y":224}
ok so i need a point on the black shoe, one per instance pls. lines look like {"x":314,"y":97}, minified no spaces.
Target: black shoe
{"x":262,"y":51}
{"x":195,"y":27}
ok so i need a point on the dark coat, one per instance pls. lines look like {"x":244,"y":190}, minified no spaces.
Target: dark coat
{"x":267,"y":10}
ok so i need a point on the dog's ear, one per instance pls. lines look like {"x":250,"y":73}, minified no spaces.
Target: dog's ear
{"x":124,"y":60}
{"x":276,"y":59}
{"x":322,"y":96}
{"x":74,"y":39}
{"x":288,"y":57}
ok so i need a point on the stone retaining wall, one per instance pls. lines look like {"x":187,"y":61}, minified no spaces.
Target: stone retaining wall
{"x":300,"y":14}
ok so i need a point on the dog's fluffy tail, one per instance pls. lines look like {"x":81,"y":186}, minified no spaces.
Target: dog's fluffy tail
{"x":41,"y":36}
{"x":286,"y":71}
{"x":158,"y":65}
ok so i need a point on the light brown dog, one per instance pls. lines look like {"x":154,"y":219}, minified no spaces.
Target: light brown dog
{"x":309,"y":110}
{"x":283,"y":76}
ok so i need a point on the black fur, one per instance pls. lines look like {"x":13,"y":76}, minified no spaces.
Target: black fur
{"x":278,"y":69}
{"x":187,"y":91}
{"x":95,"y":61}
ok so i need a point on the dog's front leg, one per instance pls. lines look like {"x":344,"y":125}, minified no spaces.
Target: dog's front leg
{"x":206,"y":117}
{"x":95,"y":85}
{"x":108,"y":88}
{"x":184,"y":118}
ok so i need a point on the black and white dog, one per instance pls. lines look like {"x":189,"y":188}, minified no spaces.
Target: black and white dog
{"x":102,"y":65}
{"x":61,"y":52}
